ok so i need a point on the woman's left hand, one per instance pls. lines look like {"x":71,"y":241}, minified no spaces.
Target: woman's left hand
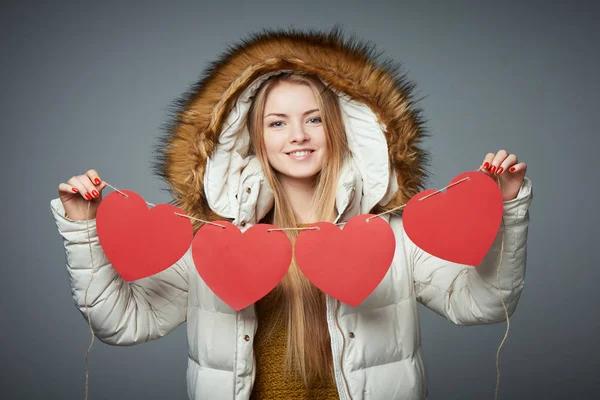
{"x":506,"y":170}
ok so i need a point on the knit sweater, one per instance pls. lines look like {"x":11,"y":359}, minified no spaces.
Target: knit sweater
{"x":272,"y":382}
{"x":269,"y":348}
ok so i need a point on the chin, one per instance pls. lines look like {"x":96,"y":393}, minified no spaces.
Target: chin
{"x":308,"y":176}
{"x":299,"y":176}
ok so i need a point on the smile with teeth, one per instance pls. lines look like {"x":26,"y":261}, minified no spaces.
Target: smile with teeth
{"x":300,"y":155}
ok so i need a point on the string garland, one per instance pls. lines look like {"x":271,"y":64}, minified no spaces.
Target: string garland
{"x":300,"y":228}
{"x":297,"y":228}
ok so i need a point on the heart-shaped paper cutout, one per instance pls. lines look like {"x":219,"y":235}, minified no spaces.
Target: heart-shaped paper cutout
{"x":140,"y":242}
{"x":459,"y":225}
{"x":349,"y":263}
{"x":241,"y":268}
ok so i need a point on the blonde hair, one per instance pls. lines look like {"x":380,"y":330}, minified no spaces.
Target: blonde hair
{"x":299,"y":303}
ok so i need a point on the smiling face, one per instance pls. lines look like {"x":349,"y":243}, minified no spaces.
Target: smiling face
{"x":294,"y":134}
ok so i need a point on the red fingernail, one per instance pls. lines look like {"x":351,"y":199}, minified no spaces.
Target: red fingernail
{"x":95,"y":193}
{"x":486,"y":165}
{"x":87,"y":196}
{"x":75,"y":190}
{"x":492,"y":169}
{"x":512,"y":169}
{"x":499,"y":171}
{"x":97,"y":181}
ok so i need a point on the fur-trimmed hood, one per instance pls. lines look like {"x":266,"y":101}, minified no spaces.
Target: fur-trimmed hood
{"x":203,"y":154}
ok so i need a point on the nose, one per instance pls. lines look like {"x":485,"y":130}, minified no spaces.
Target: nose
{"x":298,"y":134}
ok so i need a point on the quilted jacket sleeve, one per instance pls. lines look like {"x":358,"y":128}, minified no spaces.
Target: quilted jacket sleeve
{"x":470,"y":296}
{"x":122,"y":313}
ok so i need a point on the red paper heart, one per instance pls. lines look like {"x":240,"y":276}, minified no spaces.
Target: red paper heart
{"x":241,"y":268}
{"x":459,"y":225}
{"x":347,"y":263}
{"x":138,"y":241}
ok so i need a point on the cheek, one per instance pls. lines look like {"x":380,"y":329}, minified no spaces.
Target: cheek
{"x":323,"y":143}
{"x":272,"y":145}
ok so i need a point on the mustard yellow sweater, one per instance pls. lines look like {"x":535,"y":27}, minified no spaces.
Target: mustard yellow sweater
{"x":271,"y":381}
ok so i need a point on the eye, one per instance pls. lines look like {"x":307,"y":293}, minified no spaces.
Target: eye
{"x":272,"y":124}
{"x":318,"y":119}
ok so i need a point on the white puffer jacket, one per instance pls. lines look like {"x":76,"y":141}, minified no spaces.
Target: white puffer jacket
{"x":376,"y":346}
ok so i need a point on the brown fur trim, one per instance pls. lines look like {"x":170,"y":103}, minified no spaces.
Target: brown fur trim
{"x":346,"y":64}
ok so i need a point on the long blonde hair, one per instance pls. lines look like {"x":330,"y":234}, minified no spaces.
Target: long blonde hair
{"x":299,"y":303}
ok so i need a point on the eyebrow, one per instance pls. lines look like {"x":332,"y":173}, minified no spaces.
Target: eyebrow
{"x":285,"y":115}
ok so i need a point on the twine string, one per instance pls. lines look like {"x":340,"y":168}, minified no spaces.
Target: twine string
{"x":305,"y":228}
{"x":87,"y":226}
{"x":505,"y":309}
{"x":301,"y":228}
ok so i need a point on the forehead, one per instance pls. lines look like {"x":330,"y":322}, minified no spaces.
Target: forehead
{"x":290,"y":96}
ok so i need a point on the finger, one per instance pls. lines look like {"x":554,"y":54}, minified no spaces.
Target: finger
{"x":487,"y":162}
{"x":520,"y":167}
{"x":507,"y":163}
{"x":66,"y":188}
{"x":100,"y":187}
{"x":94,"y":177}
{"x":498,"y":159}
{"x":74,"y":182}
{"x":89,"y":187}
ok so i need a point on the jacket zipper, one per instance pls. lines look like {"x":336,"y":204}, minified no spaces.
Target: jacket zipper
{"x":337,"y":323}
{"x":342,"y":352}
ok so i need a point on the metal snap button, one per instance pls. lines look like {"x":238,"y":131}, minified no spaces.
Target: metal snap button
{"x":351,"y":334}
{"x":243,"y":223}
{"x":248,"y":190}
{"x":247,"y":338}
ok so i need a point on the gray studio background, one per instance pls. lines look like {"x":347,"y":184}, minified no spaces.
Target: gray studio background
{"x":87,"y":85}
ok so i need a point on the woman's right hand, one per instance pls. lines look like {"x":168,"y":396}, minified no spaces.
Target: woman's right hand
{"x":78,"y":192}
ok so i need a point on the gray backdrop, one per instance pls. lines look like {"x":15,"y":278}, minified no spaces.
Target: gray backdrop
{"x":87,"y":85}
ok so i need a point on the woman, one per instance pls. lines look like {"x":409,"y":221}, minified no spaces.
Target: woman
{"x":291,"y":128}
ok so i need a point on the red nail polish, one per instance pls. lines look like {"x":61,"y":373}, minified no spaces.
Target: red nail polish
{"x":95,"y":193}
{"x":486,"y":165}
{"x":492,"y":169}
{"x":87,"y":196}
{"x":499,"y":171}
{"x":97,"y":181}
{"x":512,"y":169}
{"x":75,"y":190}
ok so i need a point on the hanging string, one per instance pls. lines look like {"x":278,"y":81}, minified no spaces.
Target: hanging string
{"x":302,"y":228}
{"x":503,"y":305}
{"x":87,"y":226}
